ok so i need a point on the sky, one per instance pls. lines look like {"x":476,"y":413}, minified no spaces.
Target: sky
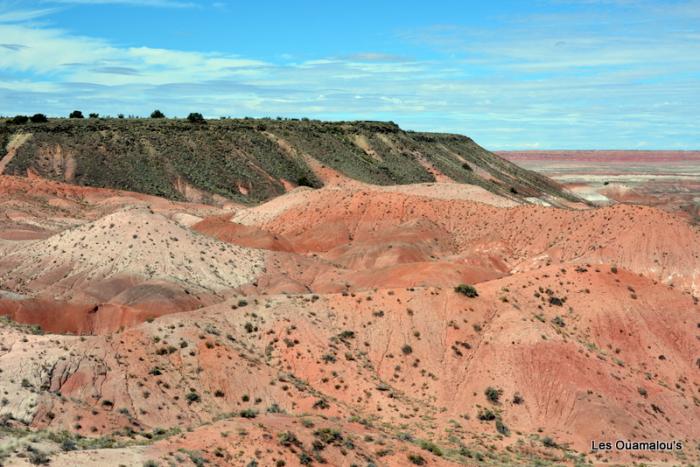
{"x":520,"y":74}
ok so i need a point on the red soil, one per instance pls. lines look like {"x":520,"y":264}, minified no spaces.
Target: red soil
{"x":337,"y":310}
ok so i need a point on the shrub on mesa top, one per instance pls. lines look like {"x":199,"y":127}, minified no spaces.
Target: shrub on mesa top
{"x":38,"y":118}
{"x":196,"y":117}
{"x":466,"y":289}
{"x":19,"y":119}
{"x":76,"y":114}
{"x":157,"y":114}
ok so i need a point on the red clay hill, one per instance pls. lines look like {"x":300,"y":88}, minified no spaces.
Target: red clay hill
{"x":326,"y":326}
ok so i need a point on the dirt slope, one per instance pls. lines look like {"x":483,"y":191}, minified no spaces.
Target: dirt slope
{"x":324,"y":327}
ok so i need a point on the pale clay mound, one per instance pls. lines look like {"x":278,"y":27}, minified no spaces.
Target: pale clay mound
{"x":300,"y":196}
{"x":456,"y":191}
{"x":133,"y":242}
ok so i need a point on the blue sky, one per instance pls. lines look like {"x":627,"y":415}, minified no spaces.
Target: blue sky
{"x":522,"y":74}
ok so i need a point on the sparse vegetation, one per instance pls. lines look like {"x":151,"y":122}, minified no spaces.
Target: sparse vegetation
{"x":231,"y":153}
{"x":493,"y":394}
{"x":558,"y":321}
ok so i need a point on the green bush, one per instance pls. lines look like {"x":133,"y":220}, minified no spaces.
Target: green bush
{"x":37,"y":457}
{"x":287,"y":438}
{"x":19,"y":119}
{"x":502,"y":428}
{"x":76,"y":114}
{"x":248,"y":413}
{"x":549,"y":442}
{"x":431,"y":447}
{"x":38,"y":118}
{"x":157,"y":114}
{"x":467,"y":290}
{"x":195,"y":117}
{"x":493,"y":394}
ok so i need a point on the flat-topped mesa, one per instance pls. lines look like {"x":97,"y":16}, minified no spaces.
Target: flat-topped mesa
{"x":253,"y":160}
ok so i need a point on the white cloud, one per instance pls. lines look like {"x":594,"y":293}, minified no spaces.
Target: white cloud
{"x":17,"y":16}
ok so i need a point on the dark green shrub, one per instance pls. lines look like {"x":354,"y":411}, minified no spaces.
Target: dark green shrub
{"x":94,"y":115}
{"x":288,"y":438}
{"x":192,"y":397}
{"x":195,"y":117}
{"x":431,"y":447}
{"x":329,"y":435}
{"x":304,"y":181}
{"x":76,"y":114}
{"x":549,"y":442}
{"x":157,"y":114}
{"x":346,"y":335}
{"x":248,"y":413}
{"x":37,"y":457}
{"x":486,"y":415}
{"x":19,"y":119}
{"x":275,"y":408}
{"x":502,"y":428}
{"x":493,"y":394}
{"x":321,"y":404}
{"x":467,"y":290}
{"x":69,"y":444}
{"x":38,"y":118}
{"x":416,"y":459}
{"x":556,"y":301}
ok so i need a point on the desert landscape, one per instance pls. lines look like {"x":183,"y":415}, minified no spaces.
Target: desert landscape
{"x":666,"y":179}
{"x":450,"y":308}
{"x":367,"y":234}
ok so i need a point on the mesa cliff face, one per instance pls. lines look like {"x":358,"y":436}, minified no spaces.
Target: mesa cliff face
{"x":253,"y":160}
